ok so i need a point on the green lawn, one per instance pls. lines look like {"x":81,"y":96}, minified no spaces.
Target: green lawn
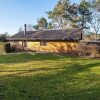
{"x":29,"y":76}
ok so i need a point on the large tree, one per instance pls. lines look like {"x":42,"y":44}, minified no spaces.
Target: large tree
{"x":95,"y":23}
{"x":60,"y":14}
{"x":84,"y":14}
{"x":42,"y":23}
{"x":74,"y":16}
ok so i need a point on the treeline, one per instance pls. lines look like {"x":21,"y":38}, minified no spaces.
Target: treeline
{"x":3,"y":37}
{"x":65,"y":14}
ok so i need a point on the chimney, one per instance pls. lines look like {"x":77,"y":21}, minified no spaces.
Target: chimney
{"x":24,"y":29}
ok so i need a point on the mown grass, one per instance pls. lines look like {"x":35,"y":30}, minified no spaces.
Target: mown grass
{"x":29,"y":76}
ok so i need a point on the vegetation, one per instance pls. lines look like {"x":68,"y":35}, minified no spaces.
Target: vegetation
{"x":60,"y":14}
{"x":2,"y":49}
{"x":29,"y":76}
{"x":91,"y":50}
{"x":66,"y":14}
{"x":36,"y":27}
{"x":42,"y":23}
{"x":96,"y":4}
{"x":3,"y":37}
{"x":6,"y":48}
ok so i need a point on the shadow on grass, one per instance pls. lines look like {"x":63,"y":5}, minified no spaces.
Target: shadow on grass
{"x":63,"y":85}
{"x":26,"y":57}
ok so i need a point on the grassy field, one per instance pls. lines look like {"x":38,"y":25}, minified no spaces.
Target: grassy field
{"x":29,"y":76}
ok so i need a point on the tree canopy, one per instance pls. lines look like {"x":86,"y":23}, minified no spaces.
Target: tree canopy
{"x":42,"y":23}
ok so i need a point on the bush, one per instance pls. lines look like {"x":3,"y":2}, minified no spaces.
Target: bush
{"x":16,"y":46}
{"x":83,"y":49}
{"x":8,"y":48}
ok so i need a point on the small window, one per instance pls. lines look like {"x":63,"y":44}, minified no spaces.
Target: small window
{"x":43,"y":43}
{"x":25,"y":43}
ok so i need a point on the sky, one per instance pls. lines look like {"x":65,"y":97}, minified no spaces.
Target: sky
{"x":16,"y":13}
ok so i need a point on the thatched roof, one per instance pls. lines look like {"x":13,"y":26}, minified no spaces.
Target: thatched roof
{"x":53,"y":35}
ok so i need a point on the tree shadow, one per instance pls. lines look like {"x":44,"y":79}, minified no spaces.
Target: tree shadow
{"x":27,"y":57}
{"x":63,"y":85}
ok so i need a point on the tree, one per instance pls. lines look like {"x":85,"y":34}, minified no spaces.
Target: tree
{"x":95,"y":24}
{"x":50,"y":25}
{"x":4,"y":36}
{"x":29,"y":27}
{"x":97,"y":5}
{"x":36,"y":27}
{"x":42,"y":23}
{"x":74,"y":16}
{"x":84,"y":14}
{"x":60,"y":14}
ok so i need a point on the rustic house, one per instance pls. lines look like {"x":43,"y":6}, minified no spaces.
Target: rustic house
{"x":47,"y":40}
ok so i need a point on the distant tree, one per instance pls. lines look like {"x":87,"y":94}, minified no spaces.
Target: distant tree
{"x":29,"y":27}
{"x":36,"y":27}
{"x":50,"y":25}
{"x":4,"y":36}
{"x":42,"y":23}
{"x":60,"y":14}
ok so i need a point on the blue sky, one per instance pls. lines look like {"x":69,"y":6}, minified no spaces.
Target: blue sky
{"x":15,"y":13}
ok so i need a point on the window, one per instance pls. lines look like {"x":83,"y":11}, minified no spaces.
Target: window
{"x":43,"y":43}
{"x":25,"y":44}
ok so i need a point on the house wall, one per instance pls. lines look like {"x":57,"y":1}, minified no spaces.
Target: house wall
{"x":51,"y":46}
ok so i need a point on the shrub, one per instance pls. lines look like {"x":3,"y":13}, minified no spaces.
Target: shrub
{"x":83,"y":49}
{"x":16,"y":46}
{"x":8,"y":48}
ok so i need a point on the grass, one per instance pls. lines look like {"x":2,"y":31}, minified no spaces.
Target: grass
{"x":29,"y":76}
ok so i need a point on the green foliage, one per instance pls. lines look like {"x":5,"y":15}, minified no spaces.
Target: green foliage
{"x":29,"y":76}
{"x":67,"y":14}
{"x":50,"y":25}
{"x":42,"y":23}
{"x":8,"y":47}
{"x":3,"y":37}
{"x":60,"y":14}
{"x":84,"y":14}
{"x":36,"y":27}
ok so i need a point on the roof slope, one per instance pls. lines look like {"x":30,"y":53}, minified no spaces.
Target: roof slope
{"x":67,"y":34}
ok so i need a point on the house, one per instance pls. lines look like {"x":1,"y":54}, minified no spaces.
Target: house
{"x":63,"y":41}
